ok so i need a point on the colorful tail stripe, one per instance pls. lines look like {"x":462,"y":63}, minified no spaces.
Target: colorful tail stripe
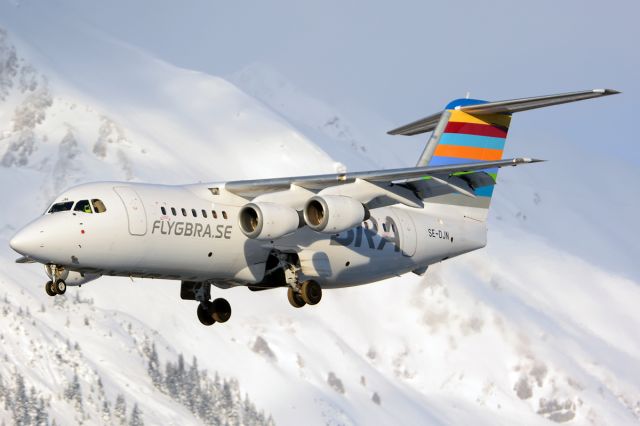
{"x":471,"y":138}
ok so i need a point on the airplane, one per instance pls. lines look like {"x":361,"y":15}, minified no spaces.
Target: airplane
{"x":304,"y":233}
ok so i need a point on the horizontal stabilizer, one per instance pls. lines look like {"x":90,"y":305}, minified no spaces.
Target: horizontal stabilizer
{"x":429,"y":123}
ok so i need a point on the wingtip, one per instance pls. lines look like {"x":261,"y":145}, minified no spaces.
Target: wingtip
{"x":527,"y":160}
{"x":606,"y":92}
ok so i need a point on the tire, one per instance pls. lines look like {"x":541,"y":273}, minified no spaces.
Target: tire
{"x":221,"y":310}
{"x":311,"y":292}
{"x":60,"y":287}
{"x":204,"y":314}
{"x":295,"y":298}
{"x":49,"y":288}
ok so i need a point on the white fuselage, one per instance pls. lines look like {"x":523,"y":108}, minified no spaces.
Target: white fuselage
{"x":140,"y":235}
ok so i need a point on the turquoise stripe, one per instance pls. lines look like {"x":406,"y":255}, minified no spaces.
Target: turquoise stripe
{"x":461,"y":139}
{"x":485,"y":191}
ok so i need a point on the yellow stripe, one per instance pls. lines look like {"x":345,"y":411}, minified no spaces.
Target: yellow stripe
{"x":495,"y":119}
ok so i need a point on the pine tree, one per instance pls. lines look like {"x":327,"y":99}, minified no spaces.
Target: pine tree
{"x":73,"y":392}
{"x":20,"y":403}
{"x":136,"y":416}
{"x":106,"y":412}
{"x":153,"y":367}
{"x":120,"y":410}
{"x":42,"y":416}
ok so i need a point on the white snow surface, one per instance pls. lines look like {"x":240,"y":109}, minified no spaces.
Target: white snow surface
{"x":540,"y":326}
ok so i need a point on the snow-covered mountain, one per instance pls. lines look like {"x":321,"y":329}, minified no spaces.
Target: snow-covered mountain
{"x":540,"y":326}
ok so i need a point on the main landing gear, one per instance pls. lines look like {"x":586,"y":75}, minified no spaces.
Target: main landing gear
{"x":307,"y":293}
{"x":284,"y":269}
{"x":208,"y":312}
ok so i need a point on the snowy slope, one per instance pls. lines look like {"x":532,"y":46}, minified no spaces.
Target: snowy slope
{"x":527,"y":330}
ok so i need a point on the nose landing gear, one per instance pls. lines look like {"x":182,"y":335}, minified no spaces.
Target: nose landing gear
{"x":54,"y":288}
{"x":56,"y":285}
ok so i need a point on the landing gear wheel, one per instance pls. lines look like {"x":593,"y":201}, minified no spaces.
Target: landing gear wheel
{"x":49,"y":288}
{"x":311,"y":292}
{"x":295,"y":298}
{"x":221,"y":310}
{"x":204,"y":314}
{"x":60,"y":287}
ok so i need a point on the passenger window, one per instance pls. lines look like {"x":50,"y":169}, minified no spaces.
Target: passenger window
{"x":173,"y":211}
{"x":214,"y":214}
{"x":184,"y":212}
{"x":193,"y":212}
{"x":224,"y":214}
{"x":83,"y":206}
{"x":61,"y":207}
{"x":98,"y":206}
{"x":163,"y":210}
{"x":204,"y":213}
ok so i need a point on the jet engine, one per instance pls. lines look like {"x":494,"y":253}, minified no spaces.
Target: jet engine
{"x":334,"y":213}
{"x":265,"y":221}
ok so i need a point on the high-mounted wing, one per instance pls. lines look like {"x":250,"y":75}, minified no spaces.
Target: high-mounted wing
{"x":251,"y":188}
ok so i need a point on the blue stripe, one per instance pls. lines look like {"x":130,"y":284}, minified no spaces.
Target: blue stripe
{"x":485,"y":191}
{"x":464,"y":102}
{"x":447,"y":161}
{"x":461,"y":139}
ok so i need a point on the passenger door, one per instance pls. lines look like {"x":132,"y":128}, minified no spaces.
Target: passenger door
{"x":135,"y":209}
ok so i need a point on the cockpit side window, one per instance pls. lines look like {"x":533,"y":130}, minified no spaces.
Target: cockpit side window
{"x":61,"y":207}
{"x":98,"y":206}
{"x":83,"y":206}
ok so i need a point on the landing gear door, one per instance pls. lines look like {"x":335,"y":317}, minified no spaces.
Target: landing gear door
{"x":135,"y":209}
{"x":407,"y":230}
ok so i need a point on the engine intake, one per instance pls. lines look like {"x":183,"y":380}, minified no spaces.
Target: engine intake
{"x":263,"y":221}
{"x":333,"y":213}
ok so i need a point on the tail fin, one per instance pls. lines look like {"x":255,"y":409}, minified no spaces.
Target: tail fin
{"x":469,"y":138}
{"x":472,"y":130}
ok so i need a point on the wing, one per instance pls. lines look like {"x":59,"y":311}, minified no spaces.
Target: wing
{"x":361,"y":185}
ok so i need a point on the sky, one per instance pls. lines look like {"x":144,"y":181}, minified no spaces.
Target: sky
{"x":407,"y":59}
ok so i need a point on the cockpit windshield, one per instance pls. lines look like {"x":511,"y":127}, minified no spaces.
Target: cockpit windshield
{"x":61,"y":207}
{"x":98,"y":206}
{"x":84,"y":206}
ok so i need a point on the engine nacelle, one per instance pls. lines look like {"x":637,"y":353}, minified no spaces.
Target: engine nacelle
{"x":264,"y":221}
{"x":334,"y":213}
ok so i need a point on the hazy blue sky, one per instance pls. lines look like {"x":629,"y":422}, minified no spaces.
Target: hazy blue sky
{"x":405,"y":59}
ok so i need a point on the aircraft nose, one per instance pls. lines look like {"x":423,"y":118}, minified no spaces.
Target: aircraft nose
{"x":26,"y":240}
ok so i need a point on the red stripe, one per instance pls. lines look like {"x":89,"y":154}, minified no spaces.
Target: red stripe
{"x":476,"y":129}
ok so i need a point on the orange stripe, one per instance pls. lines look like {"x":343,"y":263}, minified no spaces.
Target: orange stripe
{"x":468,"y":152}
